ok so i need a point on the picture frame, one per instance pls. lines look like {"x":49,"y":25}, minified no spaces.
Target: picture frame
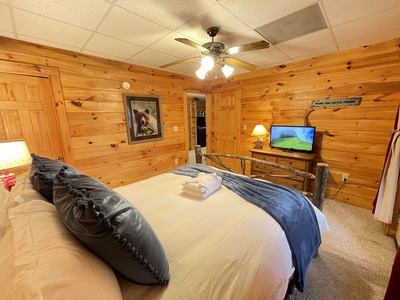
{"x":143,"y":118}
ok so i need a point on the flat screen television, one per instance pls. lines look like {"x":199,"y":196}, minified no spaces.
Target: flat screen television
{"x":292,"y":138}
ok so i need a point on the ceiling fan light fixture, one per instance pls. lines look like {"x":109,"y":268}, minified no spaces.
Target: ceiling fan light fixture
{"x":201,"y":73}
{"x":227,"y":70}
{"x":207,"y":63}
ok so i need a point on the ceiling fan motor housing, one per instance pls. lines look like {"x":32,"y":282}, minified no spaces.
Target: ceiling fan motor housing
{"x":215,"y":48}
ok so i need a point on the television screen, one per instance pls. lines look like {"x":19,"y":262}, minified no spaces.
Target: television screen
{"x":292,"y":138}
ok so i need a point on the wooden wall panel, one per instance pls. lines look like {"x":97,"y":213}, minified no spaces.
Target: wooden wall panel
{"x":351,"y":139}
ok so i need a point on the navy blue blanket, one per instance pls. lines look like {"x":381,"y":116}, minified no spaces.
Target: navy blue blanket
{"x":287,"y":206}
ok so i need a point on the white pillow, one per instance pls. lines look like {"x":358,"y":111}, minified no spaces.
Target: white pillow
{"x":41,"y":259}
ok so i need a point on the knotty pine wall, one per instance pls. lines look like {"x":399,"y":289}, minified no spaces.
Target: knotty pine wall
{"x":351,"y":139}
{"x":98,"y":136}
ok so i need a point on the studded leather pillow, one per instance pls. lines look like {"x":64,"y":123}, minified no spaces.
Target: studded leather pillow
{"x":42,"y":172}
{"x":111,"y":227}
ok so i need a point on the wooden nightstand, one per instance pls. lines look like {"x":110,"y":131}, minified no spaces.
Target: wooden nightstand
{"x":298,"y":160}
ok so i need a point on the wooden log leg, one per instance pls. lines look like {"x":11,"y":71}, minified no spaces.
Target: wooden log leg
{"x":321,"y":177}
{"x":197,"y":151}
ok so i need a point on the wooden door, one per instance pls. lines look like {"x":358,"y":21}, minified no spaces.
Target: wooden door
{"x":226,"y":106}
{"x":27,"y":112}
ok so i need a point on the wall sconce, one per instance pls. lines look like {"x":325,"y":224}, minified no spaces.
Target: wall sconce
{"x":12,"y":154}
{"x":261,"y":132}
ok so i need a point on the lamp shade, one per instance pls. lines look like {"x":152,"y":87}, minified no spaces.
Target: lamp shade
{"x":227,"y":70}
{"x":14,"y":154}
{"x":207,"y":63}
{"x":259,"y":130}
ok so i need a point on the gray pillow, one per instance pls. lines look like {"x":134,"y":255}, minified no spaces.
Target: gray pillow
{"x":111,"y":227}
{"x":42,"y":172}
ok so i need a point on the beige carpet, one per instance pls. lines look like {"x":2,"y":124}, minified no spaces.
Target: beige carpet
{"x":355,"y":258}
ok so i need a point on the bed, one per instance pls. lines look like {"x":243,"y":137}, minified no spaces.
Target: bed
{"x":154,"y":242}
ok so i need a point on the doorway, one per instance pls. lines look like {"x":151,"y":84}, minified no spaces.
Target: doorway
{"x":197,"y":123}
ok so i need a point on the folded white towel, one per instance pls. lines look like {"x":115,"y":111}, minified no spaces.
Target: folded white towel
{"x":202,"y":186}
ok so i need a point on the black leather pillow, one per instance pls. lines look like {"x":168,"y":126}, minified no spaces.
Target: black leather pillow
{"x":42,"y":172}
{"x":111,"y":227}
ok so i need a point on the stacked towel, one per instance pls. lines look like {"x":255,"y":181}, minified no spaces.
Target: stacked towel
{"x":202,"y":186}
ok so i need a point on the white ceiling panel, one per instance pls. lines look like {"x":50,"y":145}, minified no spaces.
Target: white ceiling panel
{"x":110,"y":46}
{"x":46,"y":29}
{"x":127,"y":26}
{"x":167,"y":44}
{"x":259,"y":12}
{"x":178,"y":11}
{"x":5,"y":19}
{"x":86,"y":14}
{"x":307,"y":43}
{"x":371,"y":25}
{"x":343,"y":11}
{"x":217,"y":16}
{"x":143,"y":32}
{"x":369,"y":40}
{"x":48,"y":43}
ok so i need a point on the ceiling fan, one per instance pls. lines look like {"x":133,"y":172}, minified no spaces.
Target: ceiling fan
{"x":215,"y":53}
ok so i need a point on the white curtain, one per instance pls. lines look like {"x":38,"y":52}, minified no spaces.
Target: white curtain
{"x":387,"y":190}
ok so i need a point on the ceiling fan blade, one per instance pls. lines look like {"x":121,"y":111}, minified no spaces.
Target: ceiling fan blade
{"x":179,"y":62}
{"x":240,"y":63}
{"x":191,"y":44}
{"x":248,"y":47}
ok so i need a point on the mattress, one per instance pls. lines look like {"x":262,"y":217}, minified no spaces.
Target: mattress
{"x":222,"y":247}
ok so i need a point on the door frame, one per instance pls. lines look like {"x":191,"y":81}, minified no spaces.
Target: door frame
{"x":53,"y":75}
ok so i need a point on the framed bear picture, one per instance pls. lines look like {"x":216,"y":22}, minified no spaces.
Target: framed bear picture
{"x":143,"y":118}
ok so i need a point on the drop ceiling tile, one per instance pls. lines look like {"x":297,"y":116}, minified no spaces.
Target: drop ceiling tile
{"x":153,"y":58}
{"x":369,"y":40}
{"x":276,"y":62}
{"x":167,"y":44}
{"x":86,"y":14}
{"x":48,"y":43}
{"x":243,"y":38}
{"x":5,"y":19}
{"x":307,"y":43}
{"x":315,"y":53}
{"x":129,"y":27}
{"x":262,"y":12}
{"x":343,"y":11}
{"x":217,"y":16}
{"x":375,"y":24}
{"x":7,"y":34}
{"x":102,"y":55}
{"x":110,"y":46}
{"x":49,"y":30}
{"x":178,"y":11}
{"x":258,"y":57}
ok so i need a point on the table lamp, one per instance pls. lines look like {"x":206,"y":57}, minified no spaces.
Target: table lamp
{"x":261,"y":132}
{"x":12,"y":154}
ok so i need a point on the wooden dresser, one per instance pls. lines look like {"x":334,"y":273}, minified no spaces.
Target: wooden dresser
{"x":298,"y":160}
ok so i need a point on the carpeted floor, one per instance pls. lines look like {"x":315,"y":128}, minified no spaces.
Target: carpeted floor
{"x":355,"y":258}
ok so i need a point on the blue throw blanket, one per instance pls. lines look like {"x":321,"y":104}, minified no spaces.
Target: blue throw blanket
{"x":287,"y":206}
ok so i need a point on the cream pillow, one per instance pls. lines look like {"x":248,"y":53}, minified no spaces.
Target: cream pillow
{"x":41,"y":259}
{"x":3,"y":210}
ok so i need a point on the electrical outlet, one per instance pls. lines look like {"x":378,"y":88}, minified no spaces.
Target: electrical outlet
{"x":345,"y":178}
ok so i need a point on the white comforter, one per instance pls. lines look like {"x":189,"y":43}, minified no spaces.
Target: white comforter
{"x":222,"y":247}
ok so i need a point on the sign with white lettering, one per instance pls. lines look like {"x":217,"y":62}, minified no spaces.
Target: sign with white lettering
{"x":337,"y":102}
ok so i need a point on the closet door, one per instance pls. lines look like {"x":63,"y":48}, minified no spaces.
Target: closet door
{"x":28,"y":110}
